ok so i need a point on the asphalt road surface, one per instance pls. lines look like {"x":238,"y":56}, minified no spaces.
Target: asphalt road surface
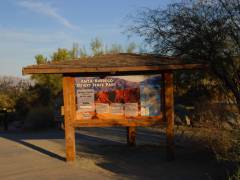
{"x":102,"y":153}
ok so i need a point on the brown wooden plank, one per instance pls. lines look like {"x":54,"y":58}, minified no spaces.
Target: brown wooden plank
{"x":131,"y":136}
{"x":69,"y":117}
{"x":109,"y":65}
{"x":169,"y":113}
{"x":79,"y":69}
{"x":109,"y":123}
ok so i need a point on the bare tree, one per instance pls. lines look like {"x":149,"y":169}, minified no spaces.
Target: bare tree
{"x":205,"y":30}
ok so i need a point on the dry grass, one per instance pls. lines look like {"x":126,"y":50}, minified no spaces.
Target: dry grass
{"x":225,"y":144}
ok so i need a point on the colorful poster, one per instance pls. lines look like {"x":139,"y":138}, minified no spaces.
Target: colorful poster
{"x":150,"y":96}
{"x":118,"y":97}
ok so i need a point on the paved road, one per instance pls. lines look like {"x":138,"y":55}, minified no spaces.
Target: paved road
{"x":101,"y":154}
{"x":28,"y":156}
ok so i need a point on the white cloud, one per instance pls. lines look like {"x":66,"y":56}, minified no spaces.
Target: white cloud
{"x":46,"y":9}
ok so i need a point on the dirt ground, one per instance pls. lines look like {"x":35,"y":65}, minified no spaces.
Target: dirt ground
{"x":102,"y":153}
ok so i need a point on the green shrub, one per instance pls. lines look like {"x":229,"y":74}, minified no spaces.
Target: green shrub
{"x":39,"y":118}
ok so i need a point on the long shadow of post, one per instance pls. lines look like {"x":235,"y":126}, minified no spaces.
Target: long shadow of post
{"x":87,"y":140}
{"x":22,"y":137}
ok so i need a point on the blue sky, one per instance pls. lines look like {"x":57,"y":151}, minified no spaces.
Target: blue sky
{"x":30,"y":27}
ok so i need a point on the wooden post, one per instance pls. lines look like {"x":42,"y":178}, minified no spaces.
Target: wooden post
{"x":69,"y":116}
{"x":169,"y":113}
{"x":131,"y":136}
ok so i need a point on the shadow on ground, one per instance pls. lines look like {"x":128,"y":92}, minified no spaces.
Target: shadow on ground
{"x":107,"y":149}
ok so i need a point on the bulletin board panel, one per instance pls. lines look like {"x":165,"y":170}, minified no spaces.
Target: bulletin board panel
{"x":132,"y":100}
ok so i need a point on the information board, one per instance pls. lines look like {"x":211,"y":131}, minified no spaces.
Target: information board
{"x":118,"y":97}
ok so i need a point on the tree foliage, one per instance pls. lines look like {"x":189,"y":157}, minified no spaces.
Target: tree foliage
{"x":40,"y":59}
{"x":74,"y":53}
{"x":50,"y":81}
{"x":197,"y":30}
{"x":63,"y":54}
{"x":97,"y":47}
{"x":11,"y":89}
{"x":53,"y":82}
{"x":115,"y":48}
{"x":131,"y":47}
{"x":83,"y":52}
{"x":6,"y":102}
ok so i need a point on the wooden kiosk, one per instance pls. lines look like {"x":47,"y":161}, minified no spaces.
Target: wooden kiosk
{"x":85,"y":108}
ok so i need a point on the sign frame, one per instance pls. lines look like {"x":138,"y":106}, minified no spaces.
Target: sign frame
{"x":71,"y":122}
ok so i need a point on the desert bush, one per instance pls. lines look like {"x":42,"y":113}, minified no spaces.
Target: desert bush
{"x":218,"y":115}
{"x":220,"y":125}
{"x":224,"y":144}
{"x":39,"y":118}
{"x":236,"y":175}
{"x":6,"y":102}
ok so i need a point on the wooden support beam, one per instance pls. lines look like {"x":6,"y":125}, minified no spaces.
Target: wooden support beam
{"x":131,"y":136}
{"x":169,"y":113}
{"x":143,"y":122}
{"x":69,"y":116}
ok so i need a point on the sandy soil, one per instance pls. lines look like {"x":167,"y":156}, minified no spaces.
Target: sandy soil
{"x":102,"y":153}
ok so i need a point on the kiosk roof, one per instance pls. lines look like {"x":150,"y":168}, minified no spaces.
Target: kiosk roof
{"x":113,"y":63}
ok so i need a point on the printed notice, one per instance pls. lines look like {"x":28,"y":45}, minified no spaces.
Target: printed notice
{"x":102,"y":108}
{"x":116,"y":108}
{"x":118,"y":97}
{"x":131,"y":109}
{"x":85,"y":100}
